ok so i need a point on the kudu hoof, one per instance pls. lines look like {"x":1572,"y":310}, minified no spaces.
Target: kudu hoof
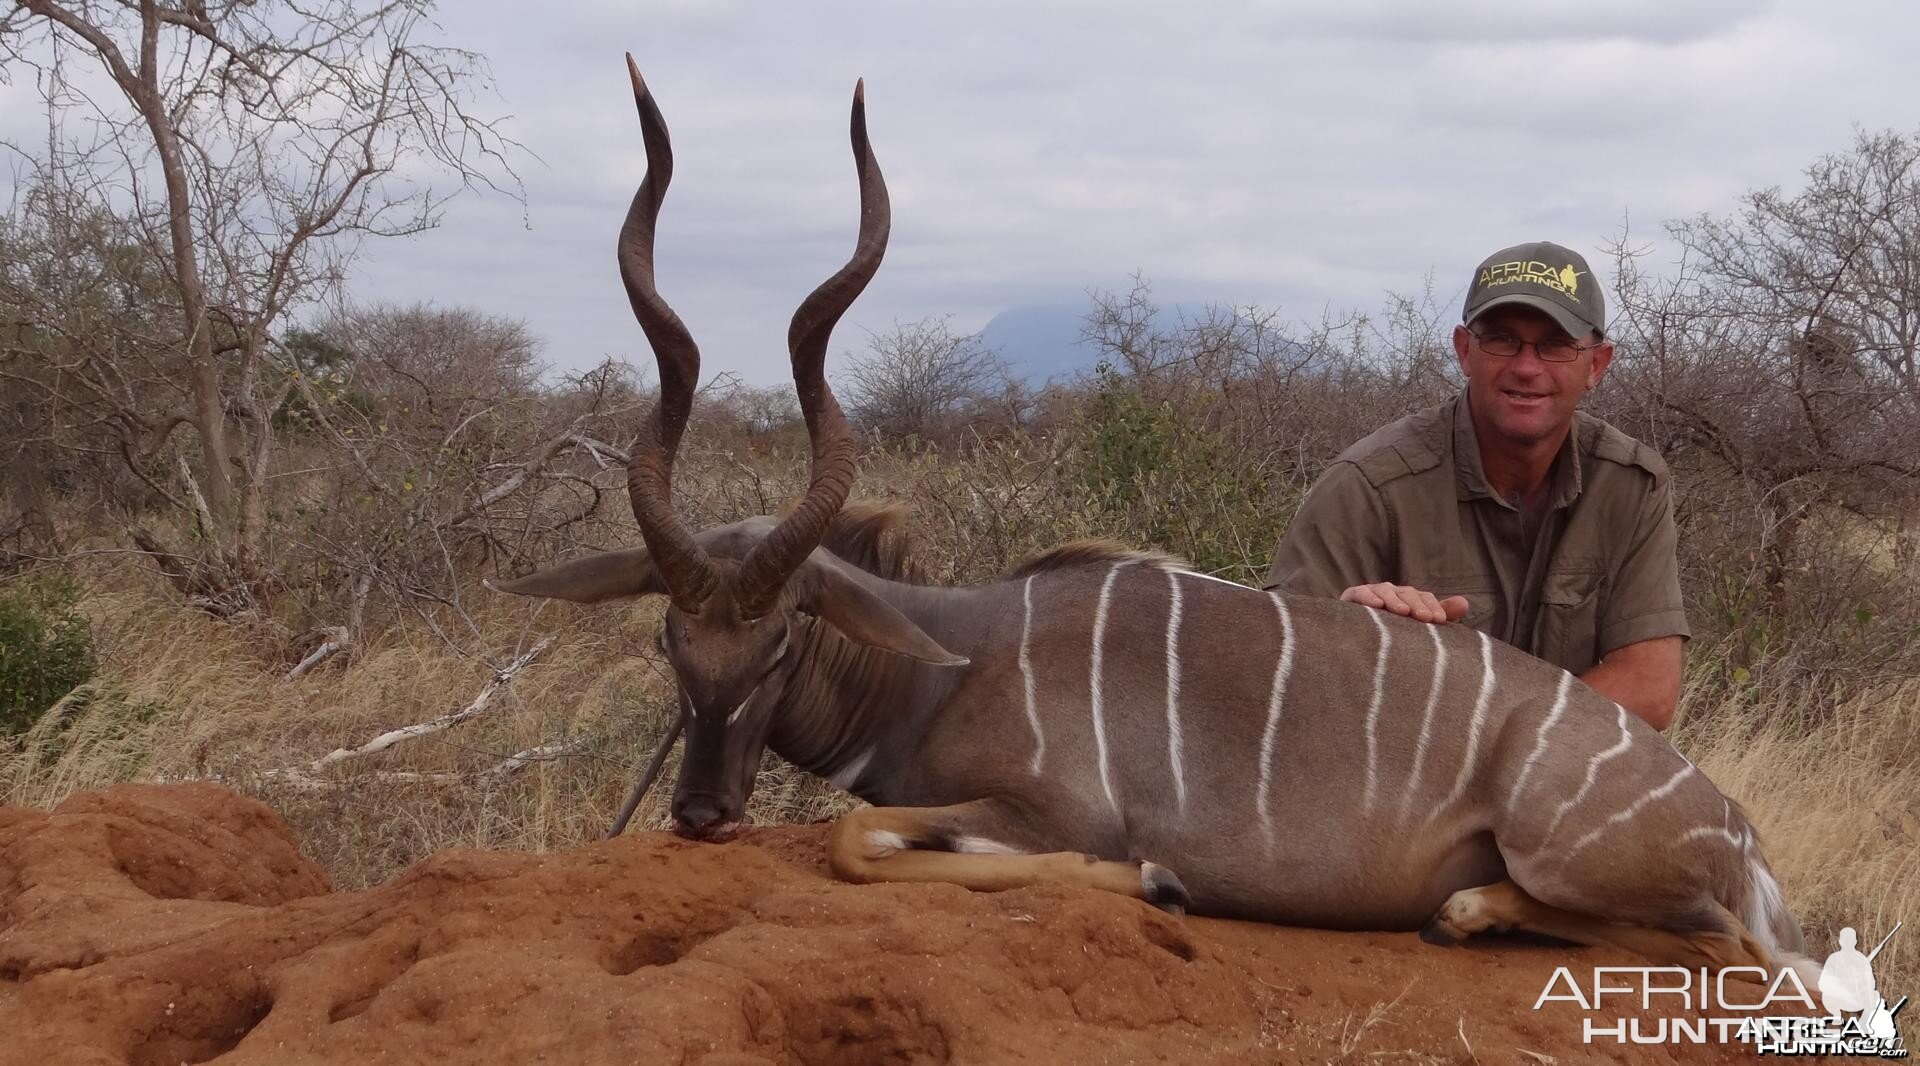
{"x":1162,"y":888}
{"x":1438,"y":931}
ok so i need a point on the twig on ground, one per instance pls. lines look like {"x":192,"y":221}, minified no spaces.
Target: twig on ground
{"x":502,"y":677}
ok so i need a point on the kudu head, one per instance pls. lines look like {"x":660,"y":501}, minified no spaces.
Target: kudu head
{"x":735,"y":609}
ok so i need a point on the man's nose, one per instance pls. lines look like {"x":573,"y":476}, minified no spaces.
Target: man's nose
{"x":1527,"y":361}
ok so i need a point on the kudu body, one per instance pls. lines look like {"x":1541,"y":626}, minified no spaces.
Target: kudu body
{"x":1108,"y":718}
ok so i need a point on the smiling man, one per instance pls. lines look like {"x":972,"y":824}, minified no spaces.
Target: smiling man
{"x":1507,"y":506}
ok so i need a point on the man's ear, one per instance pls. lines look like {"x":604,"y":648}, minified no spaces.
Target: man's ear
{"x":590,"y":578}
{"x":862,"y":617}
{"x":1602,"y":357}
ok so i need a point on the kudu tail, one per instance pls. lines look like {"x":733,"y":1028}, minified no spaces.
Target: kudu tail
{"x":1763,"y":909}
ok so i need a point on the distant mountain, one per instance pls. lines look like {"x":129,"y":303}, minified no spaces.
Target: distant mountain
{"x":1040,"y":342}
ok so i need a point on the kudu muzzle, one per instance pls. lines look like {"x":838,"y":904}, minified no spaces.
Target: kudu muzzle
{"x":717,"y":771}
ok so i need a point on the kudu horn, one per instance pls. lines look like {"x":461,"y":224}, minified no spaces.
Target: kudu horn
{"x":688,"y":573}
{"x":766,"y":569}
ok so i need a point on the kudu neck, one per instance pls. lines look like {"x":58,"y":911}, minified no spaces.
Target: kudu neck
{"x":849,"y":705}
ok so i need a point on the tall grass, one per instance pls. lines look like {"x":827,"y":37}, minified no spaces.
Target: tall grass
{"x":1836,"y":796}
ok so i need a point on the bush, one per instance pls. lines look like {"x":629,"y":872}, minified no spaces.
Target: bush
{"x":1157,"y":473}
{"x":45,"y":649}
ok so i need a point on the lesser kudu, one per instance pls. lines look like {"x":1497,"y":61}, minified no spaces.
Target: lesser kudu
{"x":1109,"y":718}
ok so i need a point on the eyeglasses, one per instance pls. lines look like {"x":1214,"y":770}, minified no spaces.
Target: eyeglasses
{"x":1506,"y":346}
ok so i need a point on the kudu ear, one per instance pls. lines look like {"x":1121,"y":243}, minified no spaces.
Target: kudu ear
{"x":591,"y":579}
{"x":864,"y":618}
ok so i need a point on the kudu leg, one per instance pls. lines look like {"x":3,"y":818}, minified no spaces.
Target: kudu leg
{"x":1506,"y":906}
{"x":957,"y":845}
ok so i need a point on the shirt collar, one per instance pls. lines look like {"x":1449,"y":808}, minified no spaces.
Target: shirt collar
{"x":1470,"y":477}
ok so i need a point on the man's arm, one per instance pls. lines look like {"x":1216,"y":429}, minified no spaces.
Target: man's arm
{"x":1338,"y":539}
{"x":1643,"y":623}
{"x":1643,"y":677}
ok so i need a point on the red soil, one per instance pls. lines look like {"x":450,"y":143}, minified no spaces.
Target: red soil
{"x":179,"y":923}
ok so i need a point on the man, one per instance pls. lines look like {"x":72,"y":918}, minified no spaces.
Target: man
{"x":1508,"y":507}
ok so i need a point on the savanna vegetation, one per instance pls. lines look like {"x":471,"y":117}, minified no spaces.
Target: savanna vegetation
{"x":244,"y":521}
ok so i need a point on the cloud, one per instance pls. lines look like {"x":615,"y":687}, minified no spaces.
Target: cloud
{"x":1302,"y":154}
{"x":1513,"y":22}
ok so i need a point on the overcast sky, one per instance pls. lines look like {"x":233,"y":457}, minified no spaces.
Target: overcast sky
{"x":1300,"y":155}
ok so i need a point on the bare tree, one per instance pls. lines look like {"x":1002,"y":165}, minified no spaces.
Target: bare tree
{"x":1773,"y":367}
{"x":922,"y":379}
{"x":1842,"y":254}
{"x":426,"y":447}
{"x":735,"y":409}
{"x":237,"y":154}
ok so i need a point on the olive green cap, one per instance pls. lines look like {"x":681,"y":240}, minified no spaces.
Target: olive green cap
{"x":1542,"y":275}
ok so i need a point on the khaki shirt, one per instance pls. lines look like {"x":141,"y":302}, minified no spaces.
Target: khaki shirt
{"x":1410,"y":504}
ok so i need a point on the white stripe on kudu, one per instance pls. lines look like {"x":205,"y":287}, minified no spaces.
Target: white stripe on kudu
{"x":1699,"y":831}
{"x":1210,"y":577}
{"x":1472,"y":760}
{"x":1624,"y":815}
{"x":1593,"y":773}
{"x":1540,"y":740}
{"x":1173,"y":693}
{"x":1094,"y":698}
{"x":1026,"y":675}
{"x":1426,"y":723}
{"x":1724,"y":830}
{"x":1275,"y":697}
{"x":1373,"y":709}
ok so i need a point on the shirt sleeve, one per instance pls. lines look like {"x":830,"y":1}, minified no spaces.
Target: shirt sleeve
{"x":1645,"y":602}
{"x":1339,"y":538}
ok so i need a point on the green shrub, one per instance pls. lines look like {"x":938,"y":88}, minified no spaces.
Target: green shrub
{"x":1158,"y":473}
{"x":45,"y":649}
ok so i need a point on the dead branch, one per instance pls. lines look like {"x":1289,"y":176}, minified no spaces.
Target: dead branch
{"x":519,"y":761}
{"x":338,"y":639}
{"x":502,"y":677}
{"x":495,"y":774}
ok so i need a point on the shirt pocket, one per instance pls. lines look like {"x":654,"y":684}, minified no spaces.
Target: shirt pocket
{"x":1567,"y":633}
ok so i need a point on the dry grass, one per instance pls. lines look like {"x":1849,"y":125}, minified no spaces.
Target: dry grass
{"x":1837,"y":797}
{"x":1352,"y":1033}
{"x":1837,"y":800}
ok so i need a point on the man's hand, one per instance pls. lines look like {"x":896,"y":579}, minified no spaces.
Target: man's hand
{"x":1409,"y":601}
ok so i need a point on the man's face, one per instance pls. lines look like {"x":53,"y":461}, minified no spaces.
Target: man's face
{"x":1522,"y":398}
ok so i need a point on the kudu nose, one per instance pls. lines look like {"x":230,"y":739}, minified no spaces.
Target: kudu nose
{"x":702,"y":817}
